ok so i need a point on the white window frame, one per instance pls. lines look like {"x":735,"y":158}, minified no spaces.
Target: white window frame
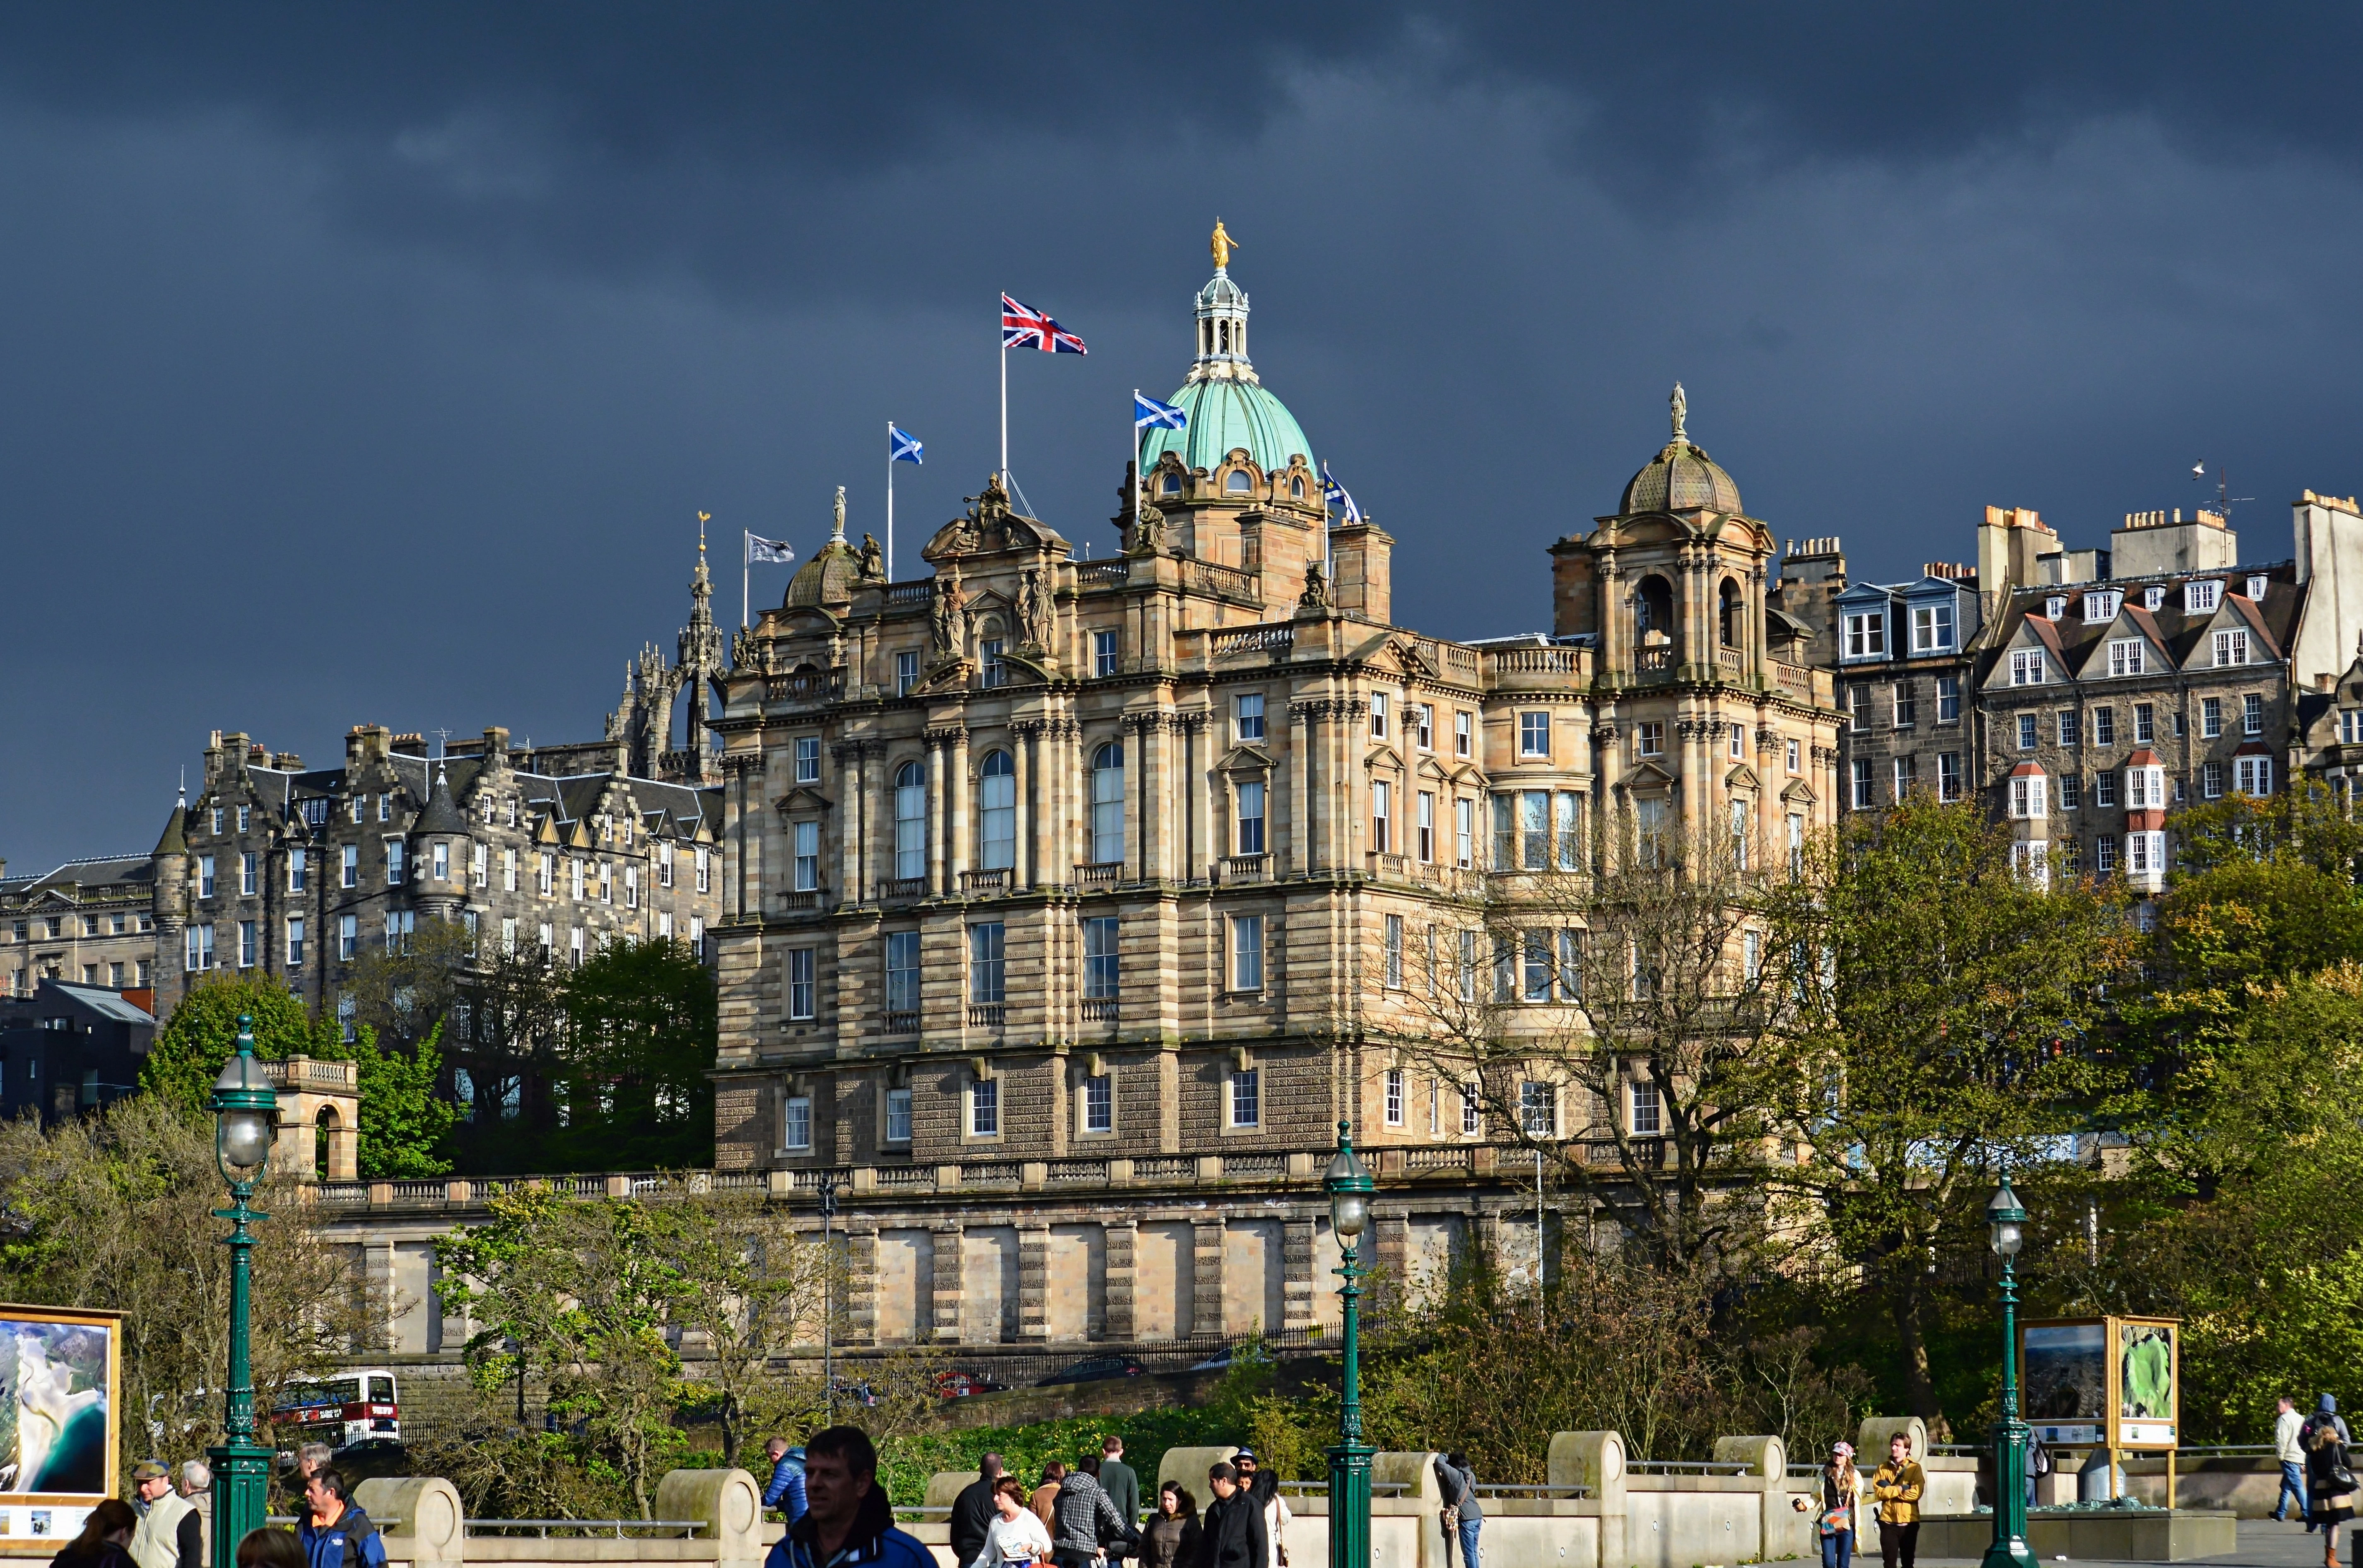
{"x":2027,"y":667}
{"x":1243,"y":1099}
{"x":2201,"y":595}
{"x":1244,"y":955}
{"x":2127,"y":656}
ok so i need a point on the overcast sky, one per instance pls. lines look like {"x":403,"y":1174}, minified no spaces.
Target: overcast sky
{"x":371,"y":364}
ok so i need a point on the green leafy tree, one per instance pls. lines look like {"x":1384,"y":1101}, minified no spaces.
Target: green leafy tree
{"x":404,"y":1122}
{"x":406,"y":990}
{"x":1963,"y":1026}
{"x":754,"y":1289}
{"x":642,"y":1034}
{"x":201,"y":1034}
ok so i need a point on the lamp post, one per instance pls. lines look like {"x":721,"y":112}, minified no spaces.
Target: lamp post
{"x":2006,"y":1225}
{"x":246,"y":1122}
{"x":1348,"y":1185}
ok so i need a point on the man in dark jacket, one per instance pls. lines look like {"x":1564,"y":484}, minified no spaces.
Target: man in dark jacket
{"x":848,"y":1519}
{"x":1233,"y":1535}
{"x":335,"y":1533}
{"x":974,"y":1512}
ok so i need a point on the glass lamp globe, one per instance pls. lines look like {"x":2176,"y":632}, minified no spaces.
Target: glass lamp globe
{"x":246,"y":1120}
{"x":1349,"y":1187}
{"x":2006,"y":1221}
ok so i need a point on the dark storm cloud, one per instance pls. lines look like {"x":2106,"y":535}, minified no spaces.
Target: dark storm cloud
{"x":368,"y":362}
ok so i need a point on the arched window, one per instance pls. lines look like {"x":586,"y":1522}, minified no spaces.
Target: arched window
{"x":998,"y":799}
{"x":1107,"y":803}
{"x":323,"y":1140}
{"x":1653,"y":609}
{"x":1172,"y":485}
{"x":910,"y":821}
{"x":1238,"y":484}
{"x":1296,"y":488}
{"x":1731,"y":617}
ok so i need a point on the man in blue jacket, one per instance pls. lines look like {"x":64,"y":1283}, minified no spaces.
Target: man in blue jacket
{"x":849,"y":1521}
{"x":785,"y":1490}
{"x":336,"y":1533}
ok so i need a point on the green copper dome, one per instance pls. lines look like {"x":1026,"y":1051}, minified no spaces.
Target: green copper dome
{"x":1228,"y":405}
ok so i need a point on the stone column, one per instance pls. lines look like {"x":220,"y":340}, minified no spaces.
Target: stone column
{"x":1297,"y":1284}
{"x":853,"y":799}
{"x":1612,"y":656}
{"x":948,"y":1295}
{"x":1304,"y":732}
{"x":861,"y":1286}
{"x":1197,"y":842}
{"x":1021,"y":757}
{"x":1122,"y":1237}
{"x":1206,"y":1277}
{"x":1032,"y":1280}
{"x":963,"y":852}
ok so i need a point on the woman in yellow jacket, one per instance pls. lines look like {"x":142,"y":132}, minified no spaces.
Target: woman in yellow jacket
{"x":1896,"y":1487}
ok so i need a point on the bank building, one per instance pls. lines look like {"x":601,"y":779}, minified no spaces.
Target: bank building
{"x":1065,"y":899}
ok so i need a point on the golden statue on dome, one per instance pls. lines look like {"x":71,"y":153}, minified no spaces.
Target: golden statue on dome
{"x":1221,"y":245}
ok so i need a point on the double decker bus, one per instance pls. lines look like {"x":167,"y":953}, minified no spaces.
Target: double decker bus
{"x":354,"y":1408}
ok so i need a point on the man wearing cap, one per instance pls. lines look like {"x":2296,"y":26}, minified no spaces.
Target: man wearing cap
{"x":1261,"y":1488}
{"x":170,"y":1534}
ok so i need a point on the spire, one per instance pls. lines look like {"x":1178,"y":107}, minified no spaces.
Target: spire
{"x":1681,"y":406}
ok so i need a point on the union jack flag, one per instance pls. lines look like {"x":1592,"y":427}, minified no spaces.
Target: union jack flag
{"x":1023,"y":327}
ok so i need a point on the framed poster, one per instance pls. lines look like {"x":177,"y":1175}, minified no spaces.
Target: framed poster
{"x":2144,"y":1381}
{"x":60,"y":1369}
{"x":2064,"y":1370}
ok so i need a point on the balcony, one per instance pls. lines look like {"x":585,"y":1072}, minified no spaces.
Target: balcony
{"x":902,"y":1023}
{"x":1728,"y":658}
{"x":919,"y":591}
{"x":1228,"y":582}
{"x":808,"y":899}
{"x":805,"y":686}
{"x":1100,"y":873}
{"x":987,"y":1015}
{"x":1102,"y":573}
{"x":1099,"y":1010}
{"x":1277,"y":638}
{"x":1243,"y":868}
{"x":973,"y":882}
{"x":904,"y":887}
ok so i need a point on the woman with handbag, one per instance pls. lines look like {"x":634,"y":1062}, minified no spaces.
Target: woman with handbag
{"x":2329,"y":1483}
{"x":1833,"y":1519}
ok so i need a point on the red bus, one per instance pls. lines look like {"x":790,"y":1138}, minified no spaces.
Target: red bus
{"x":355,"y":1408}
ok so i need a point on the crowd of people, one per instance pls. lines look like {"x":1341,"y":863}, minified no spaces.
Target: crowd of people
{"x":1090,"y":1515}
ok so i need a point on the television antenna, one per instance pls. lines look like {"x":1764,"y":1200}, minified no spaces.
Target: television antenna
{"x":2224,"y":500}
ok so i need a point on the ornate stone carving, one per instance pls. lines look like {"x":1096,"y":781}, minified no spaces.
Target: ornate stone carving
{"x":1033,"y":610}
{"x":873,"y":559}
{"x":1315,"y":600}
{"x":951,"y":618}
{"x":1148,"y":531}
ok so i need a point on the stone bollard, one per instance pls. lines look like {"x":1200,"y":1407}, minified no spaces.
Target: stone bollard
{"x":1189,"y":1466}
{"x":1596,"y":1460}
{"x":1416,"y":1472}
{"x":420,"y":1518}
{"x":1871,"y":1438}
{"x":727,"y":1506}
{"x":1768,"y":1462}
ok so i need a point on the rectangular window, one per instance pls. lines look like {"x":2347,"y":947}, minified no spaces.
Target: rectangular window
{"x":1566,"y":830}
{"x":2026,"y":796}
{"x":991,"y":670}
{"x":2126,"y":656}
{"x":351,"y":872}
{"x":245,"y":817}
{"x":246,"y":954}
{"x":299,"y":864}
{"x":1421,"y":720}
{"x":385,"y":809}
{"x":1394,"y":1097}
{"x":2252,"y":775}
{"x":2211,"y":716}
{"x":906,"y":673}
{"x":1472,"y":1109}
{"x":349,"y":938}
{"x":1534,"y":822}
{"x":1649,"y":1111}
{"x":1251,"y":803}
{"x":1463,"y":740}
{"x":246,"y":873}
{"x":1378,"y":716}
{"x":984,"y":1108}
{"x":1505,"y":832}
{"x":438,"y":859}
{"x":2100,"y":606}
{"x":705,"y":870}
{"x":1649,"y":740}
{"x":394,"y":863}
{"x":1865,"y":635}
{"x":508,"y":871}
{"x":1906,"y":709}
{"x":1949,"y":699}
{"x":508,"y":936}
{"x":294,"y":941}
{"x":2027,"y":667}
{"x":1857,"y":708}
{"x":546,"y":877}
{"x":1570,"y":965}
{"x":807,"y":857}
{"x":1099,"y":1104}
{"x":1907,"y":774}
{"x":1948,"y":776}
{"x":2104,"y":726}
{"x":898,"y":1116}
{"x":1423,"y":827}
{"x":987,"y":962}
{"x":2071,"y":789}
{"x":1932,"y":628}
{"x":2104,"y":853}
{"x":476,"y":855}
{"x":1247,"y":1099}
{"x":2105,"y":789}
{"x":2231,"y":648}
{"x":2140,"y":853}
{"x":1464,"y":832}
{"x":1392,"y":971}
{"x":1246,"y":953}
{"x":1538,"y":1108}
{"x":2252,"y":713}
{"x":2070,"y":726}
{"x":664,"y":867}
{"x":1381,"y":823}
{"x":1539,"y":963}
{"x":1249,"y":706}
{"x":2144,"y":789}
{"x":2027,"y":732}
{"x":574,"y":945}
{"x":1796,"y":756}
{"x":1104,"y":655}
{"x":1533,"y":734}
{"x":664,"y":925}
{"x":2144,"y":723}
{"x":205,"y":876}
{"x":1862,"y":784}
{"x":1738,"y":742}
{"x":2201,"y":595}
{"x":1099,"y":973}
{"x":800,"y":982}
{"x":2211,"y":780}
{"x":606,"y":883}
{"x":796,"y":1122}
{"x":808,"y":759}
{"x":902,"y":972}
{"x":218,"y":821}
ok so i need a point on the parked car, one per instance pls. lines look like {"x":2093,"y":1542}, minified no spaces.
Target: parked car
{"x":957,"y":1385}
{"x":1095,"y":1368}
{"x":1230,"y":1355}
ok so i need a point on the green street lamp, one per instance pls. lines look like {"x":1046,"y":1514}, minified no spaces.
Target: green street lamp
{"x":1350,"y":1186}
{"x":246,"y":1122}
{"x":2006,"y":1224}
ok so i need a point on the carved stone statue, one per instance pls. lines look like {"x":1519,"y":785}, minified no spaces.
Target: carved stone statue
{"x":951,"y":618}
{"x":1148,"y":531}
{"x":1315,"y":598}
{"x":1681,"y":406}
{"x":1033,"y":610}
{"x":874,"y":559}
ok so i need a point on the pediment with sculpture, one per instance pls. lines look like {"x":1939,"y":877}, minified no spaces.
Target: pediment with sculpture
{"x":990,"y":527}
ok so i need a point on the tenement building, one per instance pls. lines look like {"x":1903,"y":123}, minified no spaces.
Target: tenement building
{"x":1069,"y":902}
{"x":88,"y":922}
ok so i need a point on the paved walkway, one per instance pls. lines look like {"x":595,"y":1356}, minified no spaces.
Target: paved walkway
{"x":2263,"y":1544}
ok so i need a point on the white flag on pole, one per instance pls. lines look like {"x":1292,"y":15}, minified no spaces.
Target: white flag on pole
{"x":761,"y":552}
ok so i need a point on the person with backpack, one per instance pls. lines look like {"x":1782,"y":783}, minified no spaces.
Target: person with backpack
{"x":1461,"y":1518}
{"x":2329,"y":1482}
{"x":335,"y":1533}
{"x":2039,"y":1464}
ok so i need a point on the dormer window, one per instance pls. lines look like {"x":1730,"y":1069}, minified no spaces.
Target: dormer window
{"x":2101,"y":606}
{"x":2027,"y":667}
{"x":2257,"y":586}
{"x":2054,"y":606}
{"x":2153,"y":598}
{"x":2125,"y":656}
{"x":1865,"y":635}
{"x":1238,"y":484}
{"x":1932,"y":628}
{"x":2201,"y":595}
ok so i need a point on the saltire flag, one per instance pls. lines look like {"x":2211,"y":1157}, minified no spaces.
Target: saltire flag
{"x":902,"y":446}
{"x":1148,"y":411}
{"x":761,"y":552}
{"x":1023,"y":327}
{"x":1332,"y":490}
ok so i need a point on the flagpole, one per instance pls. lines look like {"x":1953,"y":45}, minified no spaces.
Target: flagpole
{"x":1135,"y":464}
{"x":890,"y":500}
{"x":1005,"y":412}
{"x":746,"y":566}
